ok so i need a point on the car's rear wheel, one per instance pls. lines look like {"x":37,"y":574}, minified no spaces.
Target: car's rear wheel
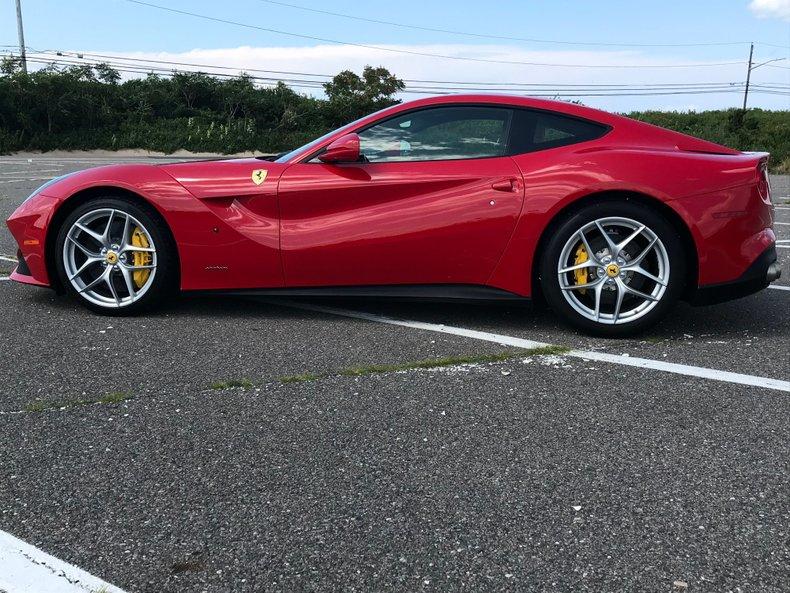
{"x":613,"y":268}
{"x":115,"y":256}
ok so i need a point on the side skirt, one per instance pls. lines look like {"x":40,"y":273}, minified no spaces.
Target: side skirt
{"x":434,"y":292}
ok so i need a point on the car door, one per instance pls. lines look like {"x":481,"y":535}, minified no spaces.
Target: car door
{"x":434,"y":202}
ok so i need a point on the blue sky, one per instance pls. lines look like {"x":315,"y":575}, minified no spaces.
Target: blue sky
{"x":118,"y":27}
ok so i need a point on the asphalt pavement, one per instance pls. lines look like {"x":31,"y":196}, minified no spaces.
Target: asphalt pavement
{"x":241,"y":444}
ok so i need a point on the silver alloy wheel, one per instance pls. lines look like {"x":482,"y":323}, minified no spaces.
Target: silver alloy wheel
{"x":627,"y":270}
{"x":99,"y":258}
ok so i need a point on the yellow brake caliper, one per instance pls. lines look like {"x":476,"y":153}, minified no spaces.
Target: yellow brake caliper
{"x":140,"y":258}
{"x":580,"y":275}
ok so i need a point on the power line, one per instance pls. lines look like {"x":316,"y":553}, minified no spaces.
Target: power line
{"x":419,"y":81}
{"x":422,"y":90}
{"x":155,"y":61}
{"x":422,"y":54}
{"x":529,"y":87}
{"x":542,"y":89}
{"x":504,"y":37}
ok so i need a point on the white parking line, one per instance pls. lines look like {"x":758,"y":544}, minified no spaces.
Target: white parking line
{"x":779,"y":287}
{"x":28,"y":172}
{"x":9,"y":258}
{"x":782,"y":223}
{"x":26,"y":179}
{"x":632,"y":361}
{"x":4,"y":278}
{"x":26,"y":569}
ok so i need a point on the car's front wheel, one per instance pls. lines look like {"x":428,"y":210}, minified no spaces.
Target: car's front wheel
{"x":613,"y":268}
{"x":115,"y":256}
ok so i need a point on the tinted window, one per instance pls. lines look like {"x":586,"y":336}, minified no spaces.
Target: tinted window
{"x":438,"y":134}
{"x":538,"y":130}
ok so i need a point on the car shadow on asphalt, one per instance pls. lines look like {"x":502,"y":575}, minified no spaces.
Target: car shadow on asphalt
{"x":760,"y":315}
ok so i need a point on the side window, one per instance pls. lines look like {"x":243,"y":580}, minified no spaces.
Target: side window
{"x":439,"y":133}
{"x":539,"y":130}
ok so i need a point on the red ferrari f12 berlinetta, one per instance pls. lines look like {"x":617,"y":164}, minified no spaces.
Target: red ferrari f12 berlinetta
{"x":607,"y":219}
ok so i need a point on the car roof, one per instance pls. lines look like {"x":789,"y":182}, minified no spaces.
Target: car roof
{"x":565,"y":107}
{"x":629,"y":131}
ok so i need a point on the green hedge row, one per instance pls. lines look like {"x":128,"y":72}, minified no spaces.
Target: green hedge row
{"x":755,"y":130}
{"x":87,"y":107}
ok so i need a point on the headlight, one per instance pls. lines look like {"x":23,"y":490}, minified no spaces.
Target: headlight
{"x":46,"y":185}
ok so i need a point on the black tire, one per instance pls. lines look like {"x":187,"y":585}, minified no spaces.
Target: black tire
{"x":568,"y":228}
{"x":165,"y":280}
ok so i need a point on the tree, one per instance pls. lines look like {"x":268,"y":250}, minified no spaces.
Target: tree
{"x":11,"y":65}
{"x":237,"y":96}
{"x":375,"y":86}
{"x":196,"y":89}
{"x":352,"y":96}
{"x":106,"y":73}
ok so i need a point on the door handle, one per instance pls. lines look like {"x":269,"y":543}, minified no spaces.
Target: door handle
{"x":508,"y":185}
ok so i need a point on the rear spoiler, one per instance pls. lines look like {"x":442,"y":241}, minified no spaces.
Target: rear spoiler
{"x":760,"y":156}
{"x":691,"y":144}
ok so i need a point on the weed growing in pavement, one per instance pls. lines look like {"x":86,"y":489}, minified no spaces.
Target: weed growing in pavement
{"x":114,"y":397}
{"x":546,"y":351}
{"x":359,"y":371}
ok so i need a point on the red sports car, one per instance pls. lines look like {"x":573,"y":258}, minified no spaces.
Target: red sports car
{"x":607,"y":219}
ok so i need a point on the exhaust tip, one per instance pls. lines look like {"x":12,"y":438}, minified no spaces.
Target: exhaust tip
{"x":774,"y":272}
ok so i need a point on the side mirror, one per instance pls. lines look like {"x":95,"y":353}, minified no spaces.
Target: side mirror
{"x":343,"y":150}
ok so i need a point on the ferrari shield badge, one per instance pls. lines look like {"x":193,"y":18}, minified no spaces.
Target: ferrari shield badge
{"x":259,"y":176}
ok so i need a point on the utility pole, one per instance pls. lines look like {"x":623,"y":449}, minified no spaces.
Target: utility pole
{"x":21,"y":32}
{"x":748,"y":75}
{"x":753,"y":66}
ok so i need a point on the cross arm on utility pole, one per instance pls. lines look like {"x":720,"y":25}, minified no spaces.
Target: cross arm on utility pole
{"x":753,"y":66}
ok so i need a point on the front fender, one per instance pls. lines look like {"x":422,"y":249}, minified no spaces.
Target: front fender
{"x":212,"y":253}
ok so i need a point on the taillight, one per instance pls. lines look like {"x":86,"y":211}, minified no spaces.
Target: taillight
{"x":763,"y":182}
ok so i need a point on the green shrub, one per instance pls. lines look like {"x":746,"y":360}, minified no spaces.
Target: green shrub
{"x":752,"y":130}
{"x":85,"y":107}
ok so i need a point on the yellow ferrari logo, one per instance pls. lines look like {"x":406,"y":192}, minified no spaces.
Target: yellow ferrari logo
{"x":259,"y":176}
{"x":111,"y":258}
{"x":612,"y":270}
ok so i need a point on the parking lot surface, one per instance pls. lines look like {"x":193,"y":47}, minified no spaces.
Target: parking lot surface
{"x":242,"y":444}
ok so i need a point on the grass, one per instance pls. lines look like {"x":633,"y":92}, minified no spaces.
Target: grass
{"x":232,"y":383}
{"x":433,"y":363}
{"x":782,"y":167}
{"x":114,"y":397}
{"x":547,"y":350}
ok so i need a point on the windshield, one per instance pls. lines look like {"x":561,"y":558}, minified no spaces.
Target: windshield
{"x":306,"y":147}
{"x":310,"y":145}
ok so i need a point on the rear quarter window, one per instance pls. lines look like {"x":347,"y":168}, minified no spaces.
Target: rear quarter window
{"x":534,"y":130}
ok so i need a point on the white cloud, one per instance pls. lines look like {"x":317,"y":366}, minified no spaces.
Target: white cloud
{"x":767,"y":9}
{"x":331,"y":59}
